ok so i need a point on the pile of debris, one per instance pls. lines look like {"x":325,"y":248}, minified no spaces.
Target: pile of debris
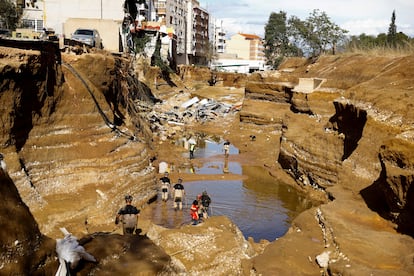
{"x":183,"y":110}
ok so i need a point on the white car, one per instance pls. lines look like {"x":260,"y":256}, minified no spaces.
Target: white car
{"x":88,"y":36}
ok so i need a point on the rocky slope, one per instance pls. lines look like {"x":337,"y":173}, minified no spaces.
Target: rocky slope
{"x":71,"y":146}
{"x":22,"y":243}
{"x":346,"y":129}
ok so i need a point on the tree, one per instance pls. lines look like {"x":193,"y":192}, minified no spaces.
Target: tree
{"x":402,"y":39}
{"x":395,"y":39}
{"x":392,"y":32}
{"x":276,"y":38}
{"x":381,"y":40}
{"x":277,"y":45}
{"x":363,"y":42}
{"x":9,"y":17}
{"x":317,"y":33}
{"x":210,"y":52}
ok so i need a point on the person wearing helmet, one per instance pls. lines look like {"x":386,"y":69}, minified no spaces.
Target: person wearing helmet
{"x":128,"y":215}
{"x":179,"y":194}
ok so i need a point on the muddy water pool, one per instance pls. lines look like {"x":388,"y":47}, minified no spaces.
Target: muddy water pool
{"x":262,"y":207}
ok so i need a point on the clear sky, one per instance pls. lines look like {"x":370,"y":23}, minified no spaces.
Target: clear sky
{"x":357,"y":16}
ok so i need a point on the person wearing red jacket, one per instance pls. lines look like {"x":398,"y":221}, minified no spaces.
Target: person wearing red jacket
{"x":194,"y":212}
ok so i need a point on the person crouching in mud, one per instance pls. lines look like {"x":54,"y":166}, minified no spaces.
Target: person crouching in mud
{"x":128,"y":215}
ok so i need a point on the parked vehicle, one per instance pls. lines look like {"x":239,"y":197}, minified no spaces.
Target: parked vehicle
{"x":88,"y":36}
{"x":5,"y":33}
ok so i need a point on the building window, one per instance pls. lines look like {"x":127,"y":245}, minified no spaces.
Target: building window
{"x":32,"y":24}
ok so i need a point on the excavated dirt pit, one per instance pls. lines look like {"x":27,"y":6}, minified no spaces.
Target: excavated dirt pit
{"x":259,"y":205}
{"x":346,"y":227}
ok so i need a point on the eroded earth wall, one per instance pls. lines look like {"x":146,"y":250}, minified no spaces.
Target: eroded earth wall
{"x":346,"y":129}
{"x":68,"y":138}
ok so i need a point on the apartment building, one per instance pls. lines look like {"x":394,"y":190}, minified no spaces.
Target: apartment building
{"x":198,"y":47}
{"x":246,"y":46}
{"x":244,"y":54}
{"x":174,"y":13}
{"x":218,"y":36}
{"x":190,"y":24}
{"x":33,"y":14}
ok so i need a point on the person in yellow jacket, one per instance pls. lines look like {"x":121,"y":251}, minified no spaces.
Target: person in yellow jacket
{"x":192,"y":148}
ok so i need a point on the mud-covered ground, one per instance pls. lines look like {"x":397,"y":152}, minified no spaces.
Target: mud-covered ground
{"x":311,"y":235}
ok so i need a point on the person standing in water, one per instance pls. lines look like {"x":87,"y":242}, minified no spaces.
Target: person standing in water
{"x":192,"y":148}
{"x":179,"y":194}
{"x":205,"y":204}
{"x":165,"y":186}
{"x":226,"y":148}
{"x":194,"y":213}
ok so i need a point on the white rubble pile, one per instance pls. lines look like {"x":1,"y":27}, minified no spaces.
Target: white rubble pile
{"x":182,"y":110}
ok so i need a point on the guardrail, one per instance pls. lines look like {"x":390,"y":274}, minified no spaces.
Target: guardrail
{"x":47,"y":46}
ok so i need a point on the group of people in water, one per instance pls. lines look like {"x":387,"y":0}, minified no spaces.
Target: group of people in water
{"x":200,"y":208}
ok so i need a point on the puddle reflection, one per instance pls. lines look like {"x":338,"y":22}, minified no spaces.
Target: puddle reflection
{"x":219,"y":167}
{"x":261,"y":207}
